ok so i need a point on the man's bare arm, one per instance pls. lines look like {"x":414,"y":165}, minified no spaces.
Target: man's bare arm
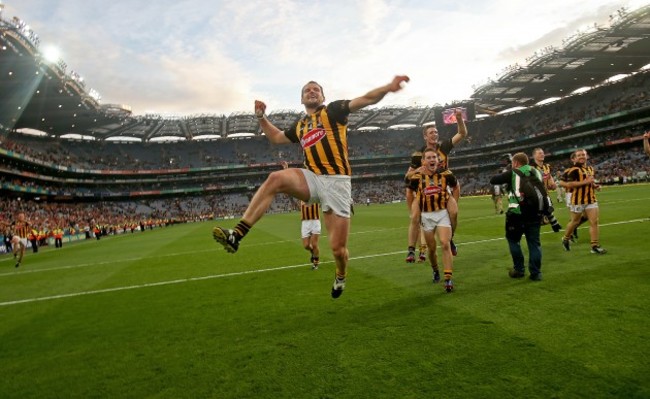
{"x":374,"y":96}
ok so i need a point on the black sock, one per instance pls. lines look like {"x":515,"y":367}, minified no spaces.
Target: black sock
{"x":242,"y":229}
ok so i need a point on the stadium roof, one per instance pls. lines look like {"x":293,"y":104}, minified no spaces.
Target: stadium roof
{"x":586,"y":59}
{"x":42,"y":95}
{"x":45,"y":96}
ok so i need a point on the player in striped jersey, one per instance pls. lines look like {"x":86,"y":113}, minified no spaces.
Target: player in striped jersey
{"x":310,"y":231}
{"x":581,"y":180}
{"x":563,"y":182}
{"x":442,"y":147}
{"x":326,"y":177}
{"x":430,"y":206}
{"x":21,"y":230}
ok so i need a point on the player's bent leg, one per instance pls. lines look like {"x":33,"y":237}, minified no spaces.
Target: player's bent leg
{"x":289,"y":181}
{"x":570,"y":228}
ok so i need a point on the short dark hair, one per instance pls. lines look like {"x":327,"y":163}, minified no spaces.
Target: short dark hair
{"x":313,"y":82}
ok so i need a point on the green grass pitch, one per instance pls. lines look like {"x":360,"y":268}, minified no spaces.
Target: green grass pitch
{"x":169,"y":314}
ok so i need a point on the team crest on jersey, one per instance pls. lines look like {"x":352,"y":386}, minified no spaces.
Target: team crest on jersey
{"x":432,"y":190}
{"x":312,"y":137}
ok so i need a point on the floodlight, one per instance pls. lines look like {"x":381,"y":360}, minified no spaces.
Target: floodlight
{"x":51,"y":54}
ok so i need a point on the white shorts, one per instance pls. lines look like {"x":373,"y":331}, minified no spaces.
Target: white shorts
{"x":310,"y":228}
{"x":568,"y":200}
{"x":581,"y":208}
{"x":333,"y":192}
{"x":17,"y":239}
{"x":431,"y":220}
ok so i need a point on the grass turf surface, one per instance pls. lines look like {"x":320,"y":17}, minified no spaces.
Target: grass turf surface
{"x":169,"y":314}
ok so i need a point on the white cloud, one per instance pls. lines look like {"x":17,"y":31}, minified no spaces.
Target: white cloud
{"x":218,"y":56}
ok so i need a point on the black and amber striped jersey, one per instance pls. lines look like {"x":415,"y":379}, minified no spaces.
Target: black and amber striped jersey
{"x":545,"y":170}
{"x":310,"y":211}
{"x":21,"y":229}
{"x":432,"y":192}
{"x":324,"y":139}
{"x":582,"y":195}
{"x":443,"y":149}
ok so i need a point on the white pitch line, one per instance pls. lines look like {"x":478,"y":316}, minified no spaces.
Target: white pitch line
{"x":214,"y":249}
{"x":138,"y":286}
{"x":214,"y":276}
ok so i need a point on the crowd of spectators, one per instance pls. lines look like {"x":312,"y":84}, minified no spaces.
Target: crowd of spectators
{"x":119,"y":217}
{"x":623,"y":164}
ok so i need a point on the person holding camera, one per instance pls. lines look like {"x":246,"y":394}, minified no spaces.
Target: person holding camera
{"x":521,"y":220}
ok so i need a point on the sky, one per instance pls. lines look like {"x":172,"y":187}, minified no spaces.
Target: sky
{"x":189,"y":57}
